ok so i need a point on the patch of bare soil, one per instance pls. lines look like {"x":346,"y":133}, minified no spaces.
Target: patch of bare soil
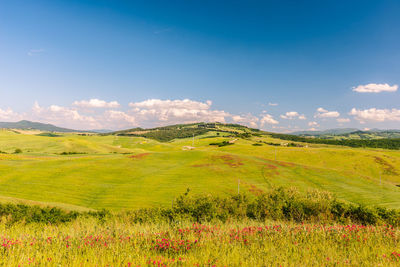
{"x":232,"y":161}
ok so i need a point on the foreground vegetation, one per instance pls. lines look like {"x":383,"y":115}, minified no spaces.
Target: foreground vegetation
{"x":87,"y":242}
{"x":278,"y":228}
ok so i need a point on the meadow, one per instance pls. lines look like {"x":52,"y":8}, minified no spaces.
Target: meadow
{"x":122,"y":172}
{"x":149,"y":221}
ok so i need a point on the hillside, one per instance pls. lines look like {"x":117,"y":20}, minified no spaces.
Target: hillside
{"x":168,"y":133}
{"x":126,"y":170}
{"x":350,"y":133}
{"x":24,"y":124}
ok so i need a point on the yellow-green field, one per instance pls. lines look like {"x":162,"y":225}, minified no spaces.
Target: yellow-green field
{"x":116,"y":243}
{"x":117,"y":172}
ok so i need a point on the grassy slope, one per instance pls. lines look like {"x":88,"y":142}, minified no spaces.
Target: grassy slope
{"x":105,"y":177}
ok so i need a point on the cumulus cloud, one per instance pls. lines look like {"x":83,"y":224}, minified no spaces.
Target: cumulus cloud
{"x":118,"y":119}
{"x":313,"y":124}
{"x":323,"y":113}
{"x":248,"y":120}
{"x":149,"y":113}
{"x":267,"y":119}
{"x":71,"y":117}
{"x":376,"y":115}
{"x":375,"y":88}
{"x":293,"y":115}
{"x":272,"y":104}
{"x":343,"y":120}
{"x":176,"y":111}
{"x":96,"y":103}
{"x":9,"y":115}
{"x":62,"y":115}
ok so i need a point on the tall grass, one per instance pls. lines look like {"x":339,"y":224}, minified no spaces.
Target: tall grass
{"x":278,"y":228}
{"x":86,"y":242}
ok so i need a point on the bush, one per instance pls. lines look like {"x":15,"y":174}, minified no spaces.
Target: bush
{"x":17,"y":151}
{"x":29,"y":214}
{"x":277,"y":204}
{"x":72,"y":153}
{"x":220,"y":144}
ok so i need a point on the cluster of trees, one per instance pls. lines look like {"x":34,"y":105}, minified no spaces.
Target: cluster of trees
{"x":220,"y":144}
{"x":373,"y":143}
{"x":168,"y":134}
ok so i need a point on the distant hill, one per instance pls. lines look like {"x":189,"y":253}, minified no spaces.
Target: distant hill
{"x":350,"y":133}
{"x":24,"y":124}
{"x":337,"y":131}
{"x":101,"y":131}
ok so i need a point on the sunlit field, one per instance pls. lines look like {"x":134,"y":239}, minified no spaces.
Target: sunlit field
{"x":228,"y":222}
{"x":119,"y":243}
{"x":118,"y":172}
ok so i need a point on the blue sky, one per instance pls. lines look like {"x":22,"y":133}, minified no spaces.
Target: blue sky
{"x":117,"y":64}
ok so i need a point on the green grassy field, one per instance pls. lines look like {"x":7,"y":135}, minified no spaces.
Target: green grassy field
{"x":122,"y":172}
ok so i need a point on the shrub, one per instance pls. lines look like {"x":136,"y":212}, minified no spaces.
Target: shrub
{"x":72,"y":153}
{"x":220,"y":144}
{"x":17,"y":151}
{"x":276,"y":204}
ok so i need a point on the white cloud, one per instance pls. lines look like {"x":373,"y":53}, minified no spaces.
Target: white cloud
{"x":96,"y":103}
{"x":248,"y":120}
{"x":313,"y":124}
{"x":118,"y":119}
{"x":273,"y":104}
{"x":375,"y":88}
{"x":34,"y":52}
{"x":166,"y":112}
{"x":9,"y":115}
{"x":323,"y":113}
{"x":62,"y":116}
{"x":377,"y":115}
{"x":267,"y":119}
{"x":343,"y":120}
{"x":293,"y":115}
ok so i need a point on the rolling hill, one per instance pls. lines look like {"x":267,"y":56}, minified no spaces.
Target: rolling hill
{"x":350,"y":133}
{"x":24,"y":124}
{"x":149,"y":167}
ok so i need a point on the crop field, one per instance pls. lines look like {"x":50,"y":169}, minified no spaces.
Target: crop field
{"x":78,"y":172}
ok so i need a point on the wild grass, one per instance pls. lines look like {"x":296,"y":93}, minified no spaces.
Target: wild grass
{"x":88,"y":242}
